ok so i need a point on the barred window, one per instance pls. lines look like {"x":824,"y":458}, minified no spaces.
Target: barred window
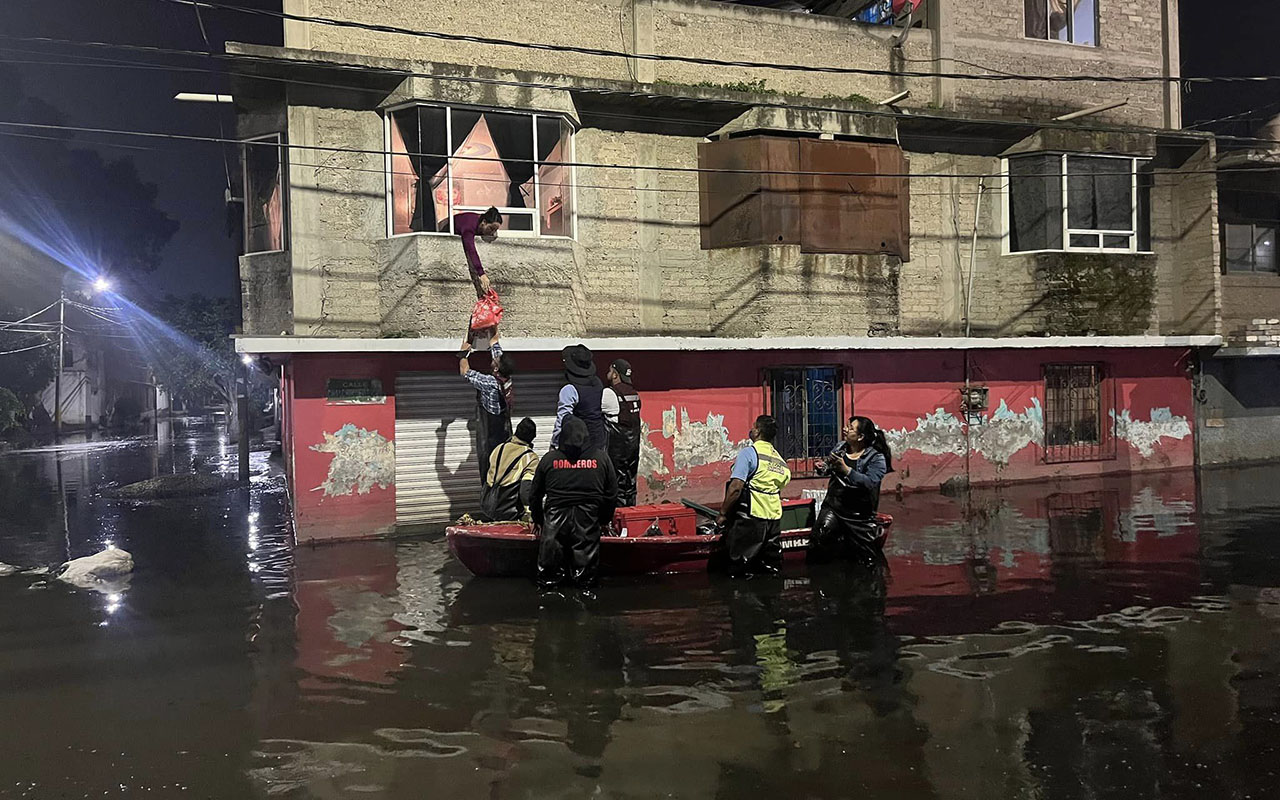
{"x":1078,"y":420}
{"x":808,"y":404}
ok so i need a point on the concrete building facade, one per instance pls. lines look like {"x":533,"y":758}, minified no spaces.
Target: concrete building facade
{"x":745,"y":235}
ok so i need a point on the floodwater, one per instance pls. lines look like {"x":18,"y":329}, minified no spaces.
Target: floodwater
{"x":1115,"y":638}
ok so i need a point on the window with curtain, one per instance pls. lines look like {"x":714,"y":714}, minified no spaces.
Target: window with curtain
{"x":1084,"y":203}
{"x":264,"y":194}
{"x":446,"y":161}
{"x":1073,"y":21}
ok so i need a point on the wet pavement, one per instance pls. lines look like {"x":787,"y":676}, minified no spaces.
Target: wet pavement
{"x":1113,"y":638}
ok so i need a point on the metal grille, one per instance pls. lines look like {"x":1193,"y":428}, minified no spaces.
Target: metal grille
{"x":807,"y":403}
{"x":1078,"y":423}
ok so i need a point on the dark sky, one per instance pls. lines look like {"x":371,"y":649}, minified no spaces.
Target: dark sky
{"x":1217,"y":39}
{"x":191,"y":179}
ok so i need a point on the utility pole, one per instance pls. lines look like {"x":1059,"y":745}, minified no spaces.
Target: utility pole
{"x":57,"y":377}
{"x":242,"y":411}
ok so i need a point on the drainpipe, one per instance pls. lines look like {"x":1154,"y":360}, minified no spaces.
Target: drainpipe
{"x":973,"y":254}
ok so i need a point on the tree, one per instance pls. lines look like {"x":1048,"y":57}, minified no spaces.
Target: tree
{"x":198,"y":365}
{"x":71,"y":203}
{"x":24,"y":373}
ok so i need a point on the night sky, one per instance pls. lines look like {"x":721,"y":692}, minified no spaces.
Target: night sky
{"x":1217,"y":39}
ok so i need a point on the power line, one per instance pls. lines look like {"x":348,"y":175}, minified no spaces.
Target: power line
{"x":25,"y":349}
{"x":705,"y":61}
{"x":576,"y":164}
{"x":762,"y":102}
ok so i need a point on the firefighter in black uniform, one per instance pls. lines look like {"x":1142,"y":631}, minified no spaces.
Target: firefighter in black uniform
{"x":575,"y":492}
{"x":621,"y":406}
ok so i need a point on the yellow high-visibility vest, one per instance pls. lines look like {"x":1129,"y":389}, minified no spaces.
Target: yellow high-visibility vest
{"x":766,"y":485}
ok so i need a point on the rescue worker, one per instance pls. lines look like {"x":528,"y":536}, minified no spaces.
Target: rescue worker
{"x":620,"y":404}
{"x":495,"y":394}
{"x":468,"y":225}
{"x":581,"y":396}
{"x":846,"y":523}
{"x":509,"y":480}
{"x":574,"y":494}
{"x":752,"y":505}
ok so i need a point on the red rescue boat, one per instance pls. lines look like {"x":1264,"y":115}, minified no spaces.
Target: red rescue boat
{"x":651,"y":540}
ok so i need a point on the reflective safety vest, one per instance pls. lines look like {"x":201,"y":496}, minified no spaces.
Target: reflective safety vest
{"x":766,"y":484}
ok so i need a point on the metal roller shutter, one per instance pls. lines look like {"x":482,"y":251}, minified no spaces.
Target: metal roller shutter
{"x":437,"y":467}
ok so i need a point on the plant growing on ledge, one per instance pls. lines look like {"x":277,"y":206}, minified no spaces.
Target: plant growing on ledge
{"x":1106,"y":294}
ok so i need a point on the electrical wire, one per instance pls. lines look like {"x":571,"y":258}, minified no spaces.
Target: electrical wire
{"x":25,"y":349}
{"x":705,"y":61}
{"x":31,"y":316}
{"x":758,"y":101}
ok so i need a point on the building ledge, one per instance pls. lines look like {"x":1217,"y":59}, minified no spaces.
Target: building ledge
{"x":288,"y":345}
{"x":1247,"y":352}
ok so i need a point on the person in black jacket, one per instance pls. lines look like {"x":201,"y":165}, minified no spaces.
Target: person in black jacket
{"x":581,"y":396}
{"x":575,"y":492}
{"x":846,"y":522}
{"x":621,"y":405}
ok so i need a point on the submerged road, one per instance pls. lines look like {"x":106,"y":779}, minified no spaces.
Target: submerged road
{"x":1112,"y":638}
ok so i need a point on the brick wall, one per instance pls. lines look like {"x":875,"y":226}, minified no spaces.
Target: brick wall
{"x":1131,"y":41}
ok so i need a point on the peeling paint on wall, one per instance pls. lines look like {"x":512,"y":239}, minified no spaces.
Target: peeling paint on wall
{"x":1145,"y":436}
{"x":362,"y":459}
{"x":1005,"y":433}
{"x":936,"y":434}
{"x":651,"y":460}
{"x":694,"y":444}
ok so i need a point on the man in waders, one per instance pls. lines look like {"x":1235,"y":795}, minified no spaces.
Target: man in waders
{"x":495,"y":393}
{"x":753,"y":505}
{"x":621,"y":406}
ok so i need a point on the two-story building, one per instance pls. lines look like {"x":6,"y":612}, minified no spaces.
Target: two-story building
{"x":908,"y":221}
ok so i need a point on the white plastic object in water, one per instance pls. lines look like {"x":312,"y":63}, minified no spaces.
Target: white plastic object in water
{"x":90,"y":571}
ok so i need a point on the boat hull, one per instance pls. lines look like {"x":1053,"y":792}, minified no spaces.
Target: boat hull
{"x":509,"y":550}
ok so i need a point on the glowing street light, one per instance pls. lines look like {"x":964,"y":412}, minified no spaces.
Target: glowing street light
{"x":102,"y":285}
{"x":246,"y":359}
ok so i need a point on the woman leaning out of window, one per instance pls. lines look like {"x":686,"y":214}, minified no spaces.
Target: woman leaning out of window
{"x":846,"y":524}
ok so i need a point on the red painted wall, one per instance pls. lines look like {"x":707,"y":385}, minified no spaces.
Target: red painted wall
{"x":895,"y":388}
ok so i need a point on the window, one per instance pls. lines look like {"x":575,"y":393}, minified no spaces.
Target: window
{"x":1074,"y":21}
{"x":1097,"y":204}
{"x":826,"y":196}
{"x":1249,"y":247}
{"x":444,"y":161}
{"x":1078,"y":421}
{"x":808,"y":404}
{"x":264,"y":196}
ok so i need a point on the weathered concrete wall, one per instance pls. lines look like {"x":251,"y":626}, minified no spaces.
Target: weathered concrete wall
{"x":1135,"y":37}
{"x":664,"y":27}
{"x":266,"y":293}
{"x":636,"y":265}
{"x":1239,"y":411}
{"x":1247,"y":297}
{"x":1196,"y":306}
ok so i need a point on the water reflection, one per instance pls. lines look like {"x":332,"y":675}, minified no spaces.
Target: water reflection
{"x":1107,"y":638}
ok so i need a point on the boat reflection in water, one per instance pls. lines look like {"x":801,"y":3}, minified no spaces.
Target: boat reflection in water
{"x":1035,"y":641}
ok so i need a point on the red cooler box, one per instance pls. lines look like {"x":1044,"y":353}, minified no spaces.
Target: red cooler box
{"x":672,"y":519}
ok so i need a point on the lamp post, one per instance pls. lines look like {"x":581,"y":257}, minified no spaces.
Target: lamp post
{"x":100,"y":284}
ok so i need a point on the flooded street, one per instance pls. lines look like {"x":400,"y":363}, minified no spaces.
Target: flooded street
{"x":1113,"y":638}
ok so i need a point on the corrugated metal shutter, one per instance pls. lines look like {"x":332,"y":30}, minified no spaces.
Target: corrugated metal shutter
{"x":437,"y":466}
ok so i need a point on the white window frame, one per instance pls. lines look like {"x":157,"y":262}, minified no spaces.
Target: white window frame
{"x":245,"y":144}
{"x":1071,"y":26}
{"x":506,"y":211}
{"x":1135,"y":163}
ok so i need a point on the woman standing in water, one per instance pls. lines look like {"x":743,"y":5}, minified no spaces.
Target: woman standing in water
{"x":847,"y":520}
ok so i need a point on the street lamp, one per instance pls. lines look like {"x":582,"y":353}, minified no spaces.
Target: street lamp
{"x":100,"y":284}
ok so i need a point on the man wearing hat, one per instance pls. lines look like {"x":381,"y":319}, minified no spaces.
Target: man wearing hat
{"x":621,"y":406}
{"x":581,"y":396}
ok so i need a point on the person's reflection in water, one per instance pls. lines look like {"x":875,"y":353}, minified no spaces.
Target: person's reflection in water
{"x":849,"y":614}
{"x":578,"y":659}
